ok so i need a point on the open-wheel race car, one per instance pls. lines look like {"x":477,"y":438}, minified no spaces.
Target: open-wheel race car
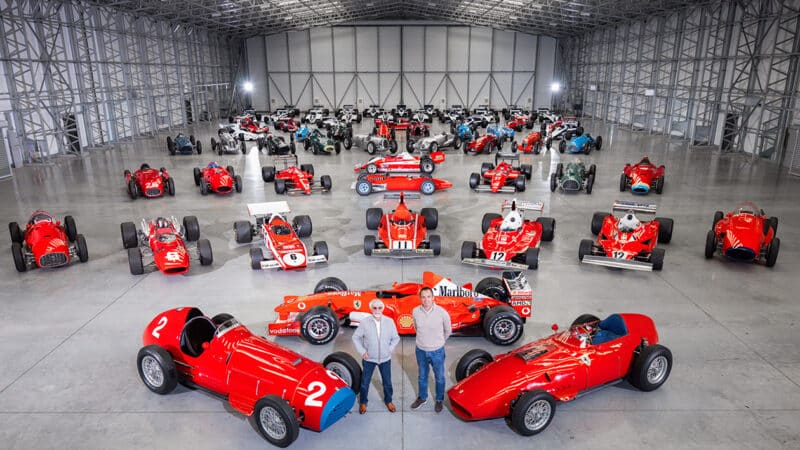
{"x":221,"y":356}
{"x":424,"y":115}
{"x":287,"y":124}
{"x":480,"y":144}
{"x":573,"y":177}
{"x":744,"y":234}
{"x":373,"y":143}
{"x":277,"y":145}
{"x":456,"y":113}
{"x":348,"y":114}
{"x":165,"y":244}
{"x":502,"y":176}
{"x":45,"y":242}
{"x":626,"y":242}
{"x":641,"y":177}
{"x":185,"y":145}
{"x":217,"y":179}
{"x":148,"y":182}
{"x":227,"y":143}
{"x":532,"y":143}
{"x":497,"y":307}
{"x":503,"y":133}
{"x":368,"y":183}
{"x":510,"y":241}
{"x":402,"y":163}
{"x":319,"y":144}
{"x":464,"y":132}
{"x":294,"y":178}
{"x":583,"y":143}
{"x":373,"y":111}
{"x":247,"y":129}
{"x":280,"y":237}
{"x":402,"y":233}
{"x":434,"y":143}
{"x":417,"y":129}
{"x":525,"y":384}
{"x":564,"y":128}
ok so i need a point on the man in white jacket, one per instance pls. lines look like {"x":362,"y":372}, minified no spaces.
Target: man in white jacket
{"x":375,"y":340}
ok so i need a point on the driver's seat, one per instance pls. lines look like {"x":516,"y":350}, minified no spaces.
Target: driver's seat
{"x":196,"y":332}
{"x":612,"y":327}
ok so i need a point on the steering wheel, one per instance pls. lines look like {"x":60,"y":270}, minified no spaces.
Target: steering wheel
{"x":583,"y":332}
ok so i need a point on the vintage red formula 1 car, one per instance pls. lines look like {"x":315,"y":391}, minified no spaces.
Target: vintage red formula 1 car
{"x":486,"y":143}
{"x":532,"y":143}
{"x":518,"y":121}
{"x":641,"y":177}
{"x":510,"y":242}
{"x":497,"y":307}
{"x":402,"y":233}
{"x":294,"y":179}
{"x":744,"y":234}
{"x":149,"y":183}
{"x":281,"y":238}
{"x":389,"y":122}
{"x":404,"y":162}
{"x":247,"y":129}
{"x":368,"y":183}
{"x":165,"y":244}
{"x":286,"y":124}
{"x":417,"y":129}
{"x":502,"y":176}
{"x":280,"y":390}
{"x":214,"y":178}
{"x":625,"y":241}
{"x":46,"y":242}
{"x":525,"y":384}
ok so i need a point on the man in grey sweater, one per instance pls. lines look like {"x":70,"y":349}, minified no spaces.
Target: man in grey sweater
{"x":375,"y":340}
{"x":432,"y":324}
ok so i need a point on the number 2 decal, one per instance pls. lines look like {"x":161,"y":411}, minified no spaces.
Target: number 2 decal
{"x":316,"y":390}
{"x":162,"y":322}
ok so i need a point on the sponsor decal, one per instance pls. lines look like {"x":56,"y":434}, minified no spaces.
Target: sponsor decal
{"x":586,"y":360}
{"x":405,"y":321}
{"x":301,"y":306}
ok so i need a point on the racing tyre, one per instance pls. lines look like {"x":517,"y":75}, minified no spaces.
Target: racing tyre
{"x":657,"y":258}
{"x":772,"y":252}
{"x":431,"y":216}
{"x":623,"y":182}
{"x":436,"y":244}
{"x":426,"y":165}
{"x":204,"y":251}
{"x":320,"y":249}
{"x":19,"y":257}
{"x":243,"y":232}
{"x":319,"y":325}
{"x":280,"y":186}
{"x":203,"y":188}
{"x":664,"y":229}
{"x":589,"y":183}
{"x":326,"y":182}
{"x":393,"y":145}
{"x":553,"y":182}
{"x":348,"y":143}
{"x":471,"y":362}
{"x":519,"y":184}
{"x":80,"y":246}
{"x":485,"y":167}
{"x":718,"y":215}
{"x":363,"y":187}
{"x":268,"y":174}
{"x":598,"y":143}
{"x":474,"y":180}
{"x":371,"y":148}
{"x":372,"y":168}
{"x":526,"y":170}
{"x":651,"y":368}
{"x":711,"y":244}
{"x":16,"y":232}
{"x":157,"y":369}
{"x":548,"y":228}
{"x":276,"y":421}
{"x":237,"y":183}
{"x":532,"y":258}
{"x":346,"y":367}
{"x":409,"y":145}
{"x":562,"y":146}
{"x":772,"y":222}
{"x":192,"y":228}
{"x":197,"y":174}
{"x":537,"y":147}
{"x":427,"y":187}
{"x":374,"y":216}
{"x":133,"y":189}
{"x":135,"y":261}
{"x":199,"y":147}
{"x":532,"y":412}
{"x":369,"y":245}
{"x":309,"y":168}
{"x":597,"y":222}
{"x":170,"y":149}
{"x":660,"y":185}
{"x":192,"y":139}
{"x":70,"y":228}
{"x":243,"y":147}
{"x":486,"y":222}
{"x":593,"y":169}
{"x":256,"y":256}
{"x":130,"y":238}
{"x":337,"y":147}
{"x":231,"y":171}
{"x":585,"y":248}
{"x":584,"y":319}
{"x":493,"y":287}
{"x":302,"y":226}
{"x":502,"y":325}
{"x":560,"y":170}
{"x":171,"y":187}
{"x":579,"y":131}
{"x":468,"y":249}
{"x":434,"y":147}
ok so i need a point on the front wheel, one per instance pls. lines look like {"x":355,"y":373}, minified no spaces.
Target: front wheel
{"x":471,"y":362}
{"x":157,"y":369}
{"x":711,"y":244}
{"x":532,"y":412}
{"x":502,"y":325}
{"x":345,"y":367}
{"x":319,"y":325}
{"x":651,"y":368}
{"x":276,"y":421}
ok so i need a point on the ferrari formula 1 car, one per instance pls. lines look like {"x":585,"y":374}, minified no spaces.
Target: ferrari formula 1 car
{"x":318,"y":144}
{"x":402,"y":233}
{"x":517,"y":121}
{"x":149,"y":183}
{"x":402,"y":163}
{"x":486,"y":143}
{"x":221,"y":356}
{"x":641,"y":177}
{"x":227,"y":142}
{"x":294,"y":179}
{"x":277,"y":145}
{"x":368,"y":183}
{"x":281,"y":238}
{"x":525,"y":384}
{"x":532,"y":143}
{"x":573,"y":178}
{"x":214,"y":178}
{"x":627,"y":242}
{"x":502,"y":176}
{"x":286,"y":124}
{"x":184,"y":145}
{"x":46,"y":242}
{"x":434,"y":143}
{"x":496,"y":306}
{"x":247,"y":129}
{"x":583,"y":143}
{"x":744,"y":234}
{"x":510,"y":242}
{"x":166,"y":243}
{"x":416,"y":128}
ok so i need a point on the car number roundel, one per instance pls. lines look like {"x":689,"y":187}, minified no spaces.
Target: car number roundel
{"x":294,"y":259}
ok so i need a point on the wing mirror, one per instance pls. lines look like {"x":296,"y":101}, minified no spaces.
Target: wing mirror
{"x":554,"y":327}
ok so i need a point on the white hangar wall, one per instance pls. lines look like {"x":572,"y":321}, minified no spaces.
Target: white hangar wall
{"x":412,"y":64}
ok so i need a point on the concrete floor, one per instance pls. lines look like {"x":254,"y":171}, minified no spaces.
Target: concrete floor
{"x":70,"y":336}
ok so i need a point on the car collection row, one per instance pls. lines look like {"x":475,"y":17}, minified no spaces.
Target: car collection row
{"x":220,"y":355}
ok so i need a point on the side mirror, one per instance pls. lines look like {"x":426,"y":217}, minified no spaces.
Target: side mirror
{"x":205,"y":345}
{"x":554,"y":327}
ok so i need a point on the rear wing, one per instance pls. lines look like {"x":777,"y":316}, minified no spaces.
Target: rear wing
{"x":268,"y":208}
{"x":522,"y":205}
{"x":634,"y":206}
{"x":506,"y":157}
{"x":286,"y":159}
{"x":405,"y":195}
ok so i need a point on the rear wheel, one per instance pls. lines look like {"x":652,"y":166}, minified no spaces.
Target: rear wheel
{"x":589,"y":183}
{"x":532,"y":412}
{"x":302,"y":225}
{"x":562,"y":146}
{"x":204,"y":251}
{"x":80,"y":246}
{"x":772,"y":252}
{"x":471,"y":362}
{"x":171,"y":187}
{"x":519,"y":184}
{"x":486,"y":222}
{"x":485,"y":167}
{"x":70,"y":228}
{"x":431,"y":216}
{"x":718,"y":215}
{"x":130,"y":237}
{"x":319,"y":325}
{"x":374,"y":216}
{"x":363,"y":187}
{"x":493,"y":287}
{"x":280,"y":186}
{"x":427,"y":187}
{"x":598,"y":143}
{"x":657,"y":258}
{"x":133,"y":189}
{"x":660,"y":185}
{"x":585,"y":248}
{"x":276,"y":421}
{"x":16,"y":232}
{"x":548,"y":228}
{"x":502,"y":325}
{"x":560,"y":170}
{"x":553,"y":182}
{"x":308,"y":168}
{"x":468,"y":249}
{"x":19,"y":257}
{"x":623,"y":182}
{"x":664,"y":229}
{"x":326,"y":182}
{"x":597,"y":222}
{"x":426,"y":165}
{"x":231,"y":171}
{"x":243,"y":231}
{"x":135,"y":261}
{"x":157,"y":369}
{"x":474,"y":180}
{"x":651,"y":368}
{"x":711,"y":243}
{"x":192,"y":228}
{"x":436,"y":244}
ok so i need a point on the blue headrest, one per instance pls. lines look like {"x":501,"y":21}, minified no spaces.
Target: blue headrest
{"x":615,"y":324}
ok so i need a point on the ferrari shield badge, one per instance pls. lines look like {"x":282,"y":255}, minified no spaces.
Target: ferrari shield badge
{"x":357,"y":304}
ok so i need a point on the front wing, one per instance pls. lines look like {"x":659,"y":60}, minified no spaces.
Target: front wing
{"x":274,"y":264}
{"x":494,"y":264}
{"x":488,"y":188}
{"x":618,"y":263}
{"x":403,"y":254}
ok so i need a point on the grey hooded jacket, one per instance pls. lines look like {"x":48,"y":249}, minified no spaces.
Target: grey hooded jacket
{"x":366,"y":339}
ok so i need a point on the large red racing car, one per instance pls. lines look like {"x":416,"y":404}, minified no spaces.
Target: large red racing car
{"x":148,"y":183}
{"x":498,"y":307}
{"x":214,"y":178}
{"x":532,"y":143}
{"x":404,"y":162}
{"x":46,"y":242}
{"x":525,"y":384}
{"x":368,"y":183}
{"x":744,"y":234}
{"x":625,"y":241}
{"x":277,"y":388}
{"x":294,"y":178}
{"x":641,"y":177}
{"x":165,"y":244}
{"x":502,"y":176}
{"x":402,"y":233}
{"x":510,"y":242}
{"x":486,"y":143}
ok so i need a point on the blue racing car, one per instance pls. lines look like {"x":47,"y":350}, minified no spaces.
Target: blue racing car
{"x":185,"y":145}
{"x":302,"y":134}
{"x":464,"y":132}
{"x":502,"y":133}
{"x":584,"y":143}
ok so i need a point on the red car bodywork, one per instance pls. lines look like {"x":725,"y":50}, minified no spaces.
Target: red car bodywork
{"x":287,"y":249}
{"x":44,"y":243}
{"x":642,"y":177}
{"x":287,"y":124}
{"x":404,"y":162}
{"x":402,"y":233}
{"x":149,"y":183}
{"x":517,"y":122}
{"x":169,"y":250}
{"x":225,"y":358}
{"x":417,"y":128}
{"x":531,"y":143}
{"x":219,"y":179}
{"x":744,"y":234}
{"x":250,"y":125}
{"x":399,"y":123}
{"x":504,"y":174}
{"x":379,"y":182}
{"x":486,"y":143}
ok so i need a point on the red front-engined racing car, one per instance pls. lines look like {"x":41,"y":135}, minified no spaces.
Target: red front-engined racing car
{"x":165,"y":244}
{"x":403,"y":162}
{"x":532,"y":143}
{"x":214,"y":178}
{"x":497,"y":307}
{"x":744,"y":234}
{"x":368,"y":183}
{"x":525,"y":384}
{"x":277,"y":388}
{"x":502,"y":176}
{"x":46,"y":242}
{"x":486,"y":143}
{"x":518,"y":121}
{"x":641,"y":177}
{"x":148,"y":183}
{"x":294,"y":179}
{"x":402,"y":233}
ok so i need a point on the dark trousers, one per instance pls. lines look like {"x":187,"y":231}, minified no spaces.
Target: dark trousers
{"x":386,"y":377}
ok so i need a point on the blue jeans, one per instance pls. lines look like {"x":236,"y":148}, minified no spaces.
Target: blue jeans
{"x":386,"y":378}
{"x":436,"y":359}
